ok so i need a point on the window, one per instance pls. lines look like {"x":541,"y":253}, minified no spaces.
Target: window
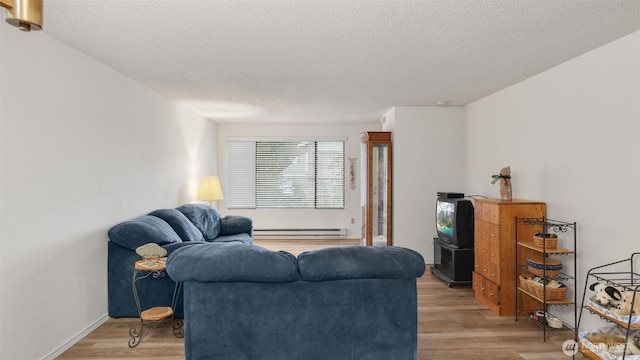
{"x":285,"y":174}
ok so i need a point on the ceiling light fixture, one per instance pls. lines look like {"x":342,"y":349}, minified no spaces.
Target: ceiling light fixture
{"x":24,"y":14}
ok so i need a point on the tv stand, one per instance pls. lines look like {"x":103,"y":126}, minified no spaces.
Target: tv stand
{"x":452,"y":265}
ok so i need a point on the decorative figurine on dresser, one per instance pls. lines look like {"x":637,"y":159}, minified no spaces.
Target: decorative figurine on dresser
{"x":453,"y":248}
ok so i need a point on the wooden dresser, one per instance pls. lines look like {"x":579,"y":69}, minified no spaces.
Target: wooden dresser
{"x":494,"y":275}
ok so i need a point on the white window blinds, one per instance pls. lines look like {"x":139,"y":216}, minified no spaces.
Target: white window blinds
{"x":241,"y":174}
{"x":285,"y":174}
{"x":330,"y":174}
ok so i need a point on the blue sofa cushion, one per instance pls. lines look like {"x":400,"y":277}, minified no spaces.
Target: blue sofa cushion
{"x":231,"y":261}
{"x":180,"y":224}
{"x":204,"y":217}
{"x":146,"y":229}
{"x":360,"y":262}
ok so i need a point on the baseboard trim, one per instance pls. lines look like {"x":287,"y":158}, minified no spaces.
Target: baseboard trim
{"x":79,"y":336}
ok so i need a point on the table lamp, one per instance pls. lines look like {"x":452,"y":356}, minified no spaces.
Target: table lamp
{"x":210,"y":190}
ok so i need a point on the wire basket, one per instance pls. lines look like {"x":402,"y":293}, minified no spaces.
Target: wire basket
{"x":550,"y":268}
{"x":550,"y":241}
{"x":550,"y":294}
{"x":539,"y":272}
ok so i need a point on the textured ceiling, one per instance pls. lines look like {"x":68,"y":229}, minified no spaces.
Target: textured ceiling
{"x":333,"y":61}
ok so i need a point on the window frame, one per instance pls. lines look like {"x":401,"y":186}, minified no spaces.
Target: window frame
{"x":242,"y":195}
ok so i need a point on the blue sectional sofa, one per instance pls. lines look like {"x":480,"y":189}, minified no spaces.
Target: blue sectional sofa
{"x":247,"y":302}
{"x":187,"y":225}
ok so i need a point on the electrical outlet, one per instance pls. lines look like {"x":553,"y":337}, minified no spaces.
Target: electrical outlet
{"x":353,"y":220}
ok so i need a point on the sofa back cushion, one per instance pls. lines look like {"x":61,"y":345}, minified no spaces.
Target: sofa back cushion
{"x":360,"y":262}
{"x":204,"y":217}
{"x":231,"y":261}
{"x":180,"y":224}
{"x":146,"y":229}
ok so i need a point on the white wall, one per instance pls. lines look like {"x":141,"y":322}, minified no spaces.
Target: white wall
{"x":428,"y":156}
{"x":82,"y":148}
{"x":571,"y":137}
{"x":286,"y":218}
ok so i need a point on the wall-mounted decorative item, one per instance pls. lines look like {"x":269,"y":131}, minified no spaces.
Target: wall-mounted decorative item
{"x":352,"y":172}
{"x":504,"y":180}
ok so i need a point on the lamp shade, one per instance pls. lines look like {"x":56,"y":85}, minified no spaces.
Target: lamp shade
{"x":210,"y":189}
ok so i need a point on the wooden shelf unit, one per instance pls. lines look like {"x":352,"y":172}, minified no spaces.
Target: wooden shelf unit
{"x":539,"y":249}
{"x":525,"y":249}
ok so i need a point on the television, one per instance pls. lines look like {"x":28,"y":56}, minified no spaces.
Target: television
{"x":454,"y":220}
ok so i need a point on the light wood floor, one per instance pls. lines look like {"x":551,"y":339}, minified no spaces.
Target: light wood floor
{"x":451,"y":325}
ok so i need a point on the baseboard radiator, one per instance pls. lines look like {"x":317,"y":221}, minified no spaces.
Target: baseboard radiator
{"x":300,"y":233}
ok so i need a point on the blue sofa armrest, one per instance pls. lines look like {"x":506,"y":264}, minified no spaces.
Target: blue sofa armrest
{"x":145,"y":229}
{"x":234,"y":224}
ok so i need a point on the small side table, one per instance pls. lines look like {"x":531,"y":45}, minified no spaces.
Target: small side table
{"x":155,"y":315}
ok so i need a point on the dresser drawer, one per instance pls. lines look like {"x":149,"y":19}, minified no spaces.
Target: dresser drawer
{"x":486,"y":291}
{"x":481,"y":249}
{"x":491,"y":213}
{"x":493,"y":253}
{"x":492,"y":292}
{"x":475,"y":283}
{"x":477,"y":210}
{"x":489,"y":270}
